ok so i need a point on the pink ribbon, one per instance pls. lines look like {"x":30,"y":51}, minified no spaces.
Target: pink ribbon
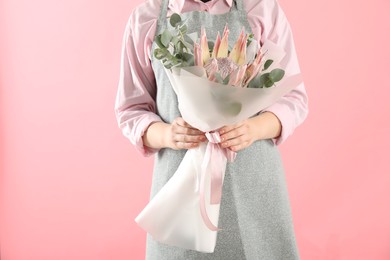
{"x":214,"y":158}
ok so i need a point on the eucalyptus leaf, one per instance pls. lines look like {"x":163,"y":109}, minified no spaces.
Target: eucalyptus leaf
{"x":175,"y":19}
{"x":267,"y":80}
{"x":187,"y":56}
{"x":255,"y":82}
{"x":178,"y":57}
{"x":250,"y":39}
{"x":263,"y":79}
{"x":167,"y":62}
{"x":183,"y":29}
{"x":267,"y":64}
{"x":166,"y":37}
{"x":175,"y":39}
{"x":252,"y":83}
{"x":276,"y":75}
{"x":218,"y":77}
{"x":158,"y":42}
{"x":159,"y":53}
{"x":226,"y":80}
{"x":211,"y":45}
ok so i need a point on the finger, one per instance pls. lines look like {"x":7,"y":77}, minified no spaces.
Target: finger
{"x":233,"y":142}
{"x":188,"y":131}
{"x":188,"y":138}
{"x":233,"y":134}
{"x":180,"y":121}
{"x":184,"y":145}
{"x":228,"y":128}
{"x":239,"y":147}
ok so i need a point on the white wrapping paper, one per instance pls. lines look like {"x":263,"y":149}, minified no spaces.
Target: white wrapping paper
{"x":173,"y":215}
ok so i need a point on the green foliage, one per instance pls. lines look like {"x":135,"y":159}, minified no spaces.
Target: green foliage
{"x":267,"y":64}
{"x":175,"y":49}
{"x":175,"y":19}
{"x":251,"y":37}
{"x":174,"y":45}
{"x":266,"y":80}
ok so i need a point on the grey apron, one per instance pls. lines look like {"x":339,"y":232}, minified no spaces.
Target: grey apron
{"x":255,"y":212}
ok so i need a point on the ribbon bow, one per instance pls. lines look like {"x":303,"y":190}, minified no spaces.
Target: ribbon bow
{"x":214,"y":158}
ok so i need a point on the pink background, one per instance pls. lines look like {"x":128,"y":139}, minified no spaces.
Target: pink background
{"x":68,"y":174}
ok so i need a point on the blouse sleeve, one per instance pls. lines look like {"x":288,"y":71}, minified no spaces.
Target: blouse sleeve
{"x":135,"y":107}
{"x":292,"y":108}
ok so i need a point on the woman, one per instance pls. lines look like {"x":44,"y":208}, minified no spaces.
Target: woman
{"x":255,"y":211}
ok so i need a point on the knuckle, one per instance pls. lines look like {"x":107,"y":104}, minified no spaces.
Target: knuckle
{"x":194,"y":131}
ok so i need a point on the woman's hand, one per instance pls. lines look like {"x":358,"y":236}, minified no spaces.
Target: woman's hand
{"x":238,"y":136}
{"x":241,"y":135}
{"x":181,"y":135}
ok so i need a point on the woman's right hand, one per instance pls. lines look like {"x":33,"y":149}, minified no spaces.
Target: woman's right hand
{"x":181,"y":135}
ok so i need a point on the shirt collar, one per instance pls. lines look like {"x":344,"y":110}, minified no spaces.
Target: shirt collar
{"x":178,"y":4}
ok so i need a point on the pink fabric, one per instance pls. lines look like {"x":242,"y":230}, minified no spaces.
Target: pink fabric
{"x":214,"y":153}
{"x":135,"y":107}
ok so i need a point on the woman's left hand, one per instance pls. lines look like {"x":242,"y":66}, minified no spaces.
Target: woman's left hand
{"x":241,"y":135}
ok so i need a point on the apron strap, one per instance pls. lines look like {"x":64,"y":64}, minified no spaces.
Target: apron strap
{"x":163,"y":16}
{"x":242,"y":14}
{"x":164,"y":10}
{"x":240,"y":5}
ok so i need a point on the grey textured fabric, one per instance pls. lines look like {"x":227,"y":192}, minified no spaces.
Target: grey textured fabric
{"x":255,"y":211}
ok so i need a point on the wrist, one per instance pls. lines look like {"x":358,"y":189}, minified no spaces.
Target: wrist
{"x":267,"y":125}
{"x":257,"y":126}
{"x":165,"y":135}
{"x":155,"y":135}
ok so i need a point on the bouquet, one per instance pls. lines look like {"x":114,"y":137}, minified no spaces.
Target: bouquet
{"x":215,"y":86}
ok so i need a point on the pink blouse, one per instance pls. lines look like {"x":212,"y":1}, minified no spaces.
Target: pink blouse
{"x":135,"y":108}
